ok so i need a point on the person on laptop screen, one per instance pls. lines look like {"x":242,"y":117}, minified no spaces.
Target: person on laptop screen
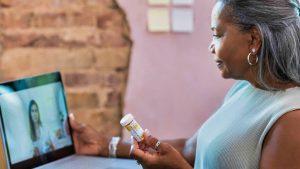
{"x":39,"y":136}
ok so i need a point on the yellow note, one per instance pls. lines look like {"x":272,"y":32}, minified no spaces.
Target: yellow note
{"x":158,"y":20}
{"x":159,"y":2}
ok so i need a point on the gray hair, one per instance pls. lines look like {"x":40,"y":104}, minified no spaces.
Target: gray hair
{"x":279,"y":24}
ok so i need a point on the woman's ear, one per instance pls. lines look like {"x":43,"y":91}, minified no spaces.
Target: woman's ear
{"x":256,"y":39}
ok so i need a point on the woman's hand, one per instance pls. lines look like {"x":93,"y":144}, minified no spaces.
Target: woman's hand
{"x":87,"y":140}
{"x":164,"y":156}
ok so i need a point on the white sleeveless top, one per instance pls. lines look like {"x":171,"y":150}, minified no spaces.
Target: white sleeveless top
{"x":232,"y":137}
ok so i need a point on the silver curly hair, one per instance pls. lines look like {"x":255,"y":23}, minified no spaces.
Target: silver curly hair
{"x":279,"y":24}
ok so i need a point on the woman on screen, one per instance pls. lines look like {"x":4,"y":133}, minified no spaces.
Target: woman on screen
{"x":40,"y":138}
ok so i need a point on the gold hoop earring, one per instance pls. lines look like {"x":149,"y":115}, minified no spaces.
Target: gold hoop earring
{"x":249,"y":62}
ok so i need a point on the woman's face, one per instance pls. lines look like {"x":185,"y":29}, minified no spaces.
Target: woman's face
{"x":34,"y":113}
{"x":229,"y":45}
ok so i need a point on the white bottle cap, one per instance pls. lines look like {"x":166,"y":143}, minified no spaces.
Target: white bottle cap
{"x":126,"y":119}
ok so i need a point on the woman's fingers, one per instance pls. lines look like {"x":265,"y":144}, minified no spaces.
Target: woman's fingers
{"x":136,"y":152}
{"x":77,"y":129}
{"x":146,"y":133}
{"x":142,"y":144}
{"x":141,"y":156}
{"x":76,"y":126}
{"x":151,"y":142}
{"x":148,"y":158}
{"x":156,"y":145}
{"x":76,"y":143}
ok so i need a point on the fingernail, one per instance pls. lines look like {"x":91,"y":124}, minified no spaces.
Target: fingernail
{"x":71,"y":116}
{"x":131,"y":139}
{"x":82,"y":125}
{"x":147,"y":131}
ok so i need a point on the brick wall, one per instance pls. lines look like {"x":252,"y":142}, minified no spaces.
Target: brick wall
{"x":87,"y":40}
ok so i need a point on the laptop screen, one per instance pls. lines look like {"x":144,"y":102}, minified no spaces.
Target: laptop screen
{"x":34,"y":121}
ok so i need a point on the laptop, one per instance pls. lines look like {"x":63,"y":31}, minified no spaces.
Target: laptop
{"x":35,"y":128}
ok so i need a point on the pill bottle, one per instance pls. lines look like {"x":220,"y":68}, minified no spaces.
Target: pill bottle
{"x":133,"y":127}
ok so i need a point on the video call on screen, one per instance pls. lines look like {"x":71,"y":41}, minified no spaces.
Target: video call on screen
{"x":34,"y":120}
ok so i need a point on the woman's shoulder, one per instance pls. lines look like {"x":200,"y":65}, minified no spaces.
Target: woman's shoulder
{"x":282,"y":141}
{"x":288,"y":122}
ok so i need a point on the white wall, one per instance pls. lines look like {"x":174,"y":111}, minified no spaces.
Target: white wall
{"x":174,"y":84}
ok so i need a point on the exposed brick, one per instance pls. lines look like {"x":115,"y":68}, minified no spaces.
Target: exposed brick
{"x":102,"y":20}
{"x":111,"y":38}
{"x":12,"y":64}
{"x":5,"y":3}
{"x":82,"y":79}
{"x":82,"y":100}
{"x":111,"y":19}
{"x":92,"y":118}
{"x":1,"y":19}
{"x":31,"y":40}
{"x":64,"y":37}
{"x":66,"y":3}
{"x":112,"y":58}
{"x":104,"y":121}
{"x":108,"y":3}
{"x":1,"y":43}
{"x":110,"y":122}
{"x":24,"y":59}
{"x":99,"y":79}
{"x":113,"y":79}
{"x":113,"y":99}
{"x":64,"y":19}
{"x":20,"y":19}
{"x":46,"y":3}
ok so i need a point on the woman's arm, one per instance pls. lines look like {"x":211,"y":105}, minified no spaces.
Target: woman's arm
{"x":281,"y":148}
{"x":89,"y":142}
{"x":186,"y":147}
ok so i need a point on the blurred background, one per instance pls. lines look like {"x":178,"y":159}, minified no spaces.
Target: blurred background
{"x":112,"y":64}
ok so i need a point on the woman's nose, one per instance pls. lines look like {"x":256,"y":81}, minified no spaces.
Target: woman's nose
{"x":211,"y":48}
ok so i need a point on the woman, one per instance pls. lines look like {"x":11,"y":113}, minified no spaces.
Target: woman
{"x":256,"y":42}
{"x":40,"y":138}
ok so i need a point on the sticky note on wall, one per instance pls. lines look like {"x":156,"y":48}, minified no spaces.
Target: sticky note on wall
{"x":182,"y":20}
{"x":158,"y":20}
{"x":183,"y":2}
{"x":159,"y":2}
